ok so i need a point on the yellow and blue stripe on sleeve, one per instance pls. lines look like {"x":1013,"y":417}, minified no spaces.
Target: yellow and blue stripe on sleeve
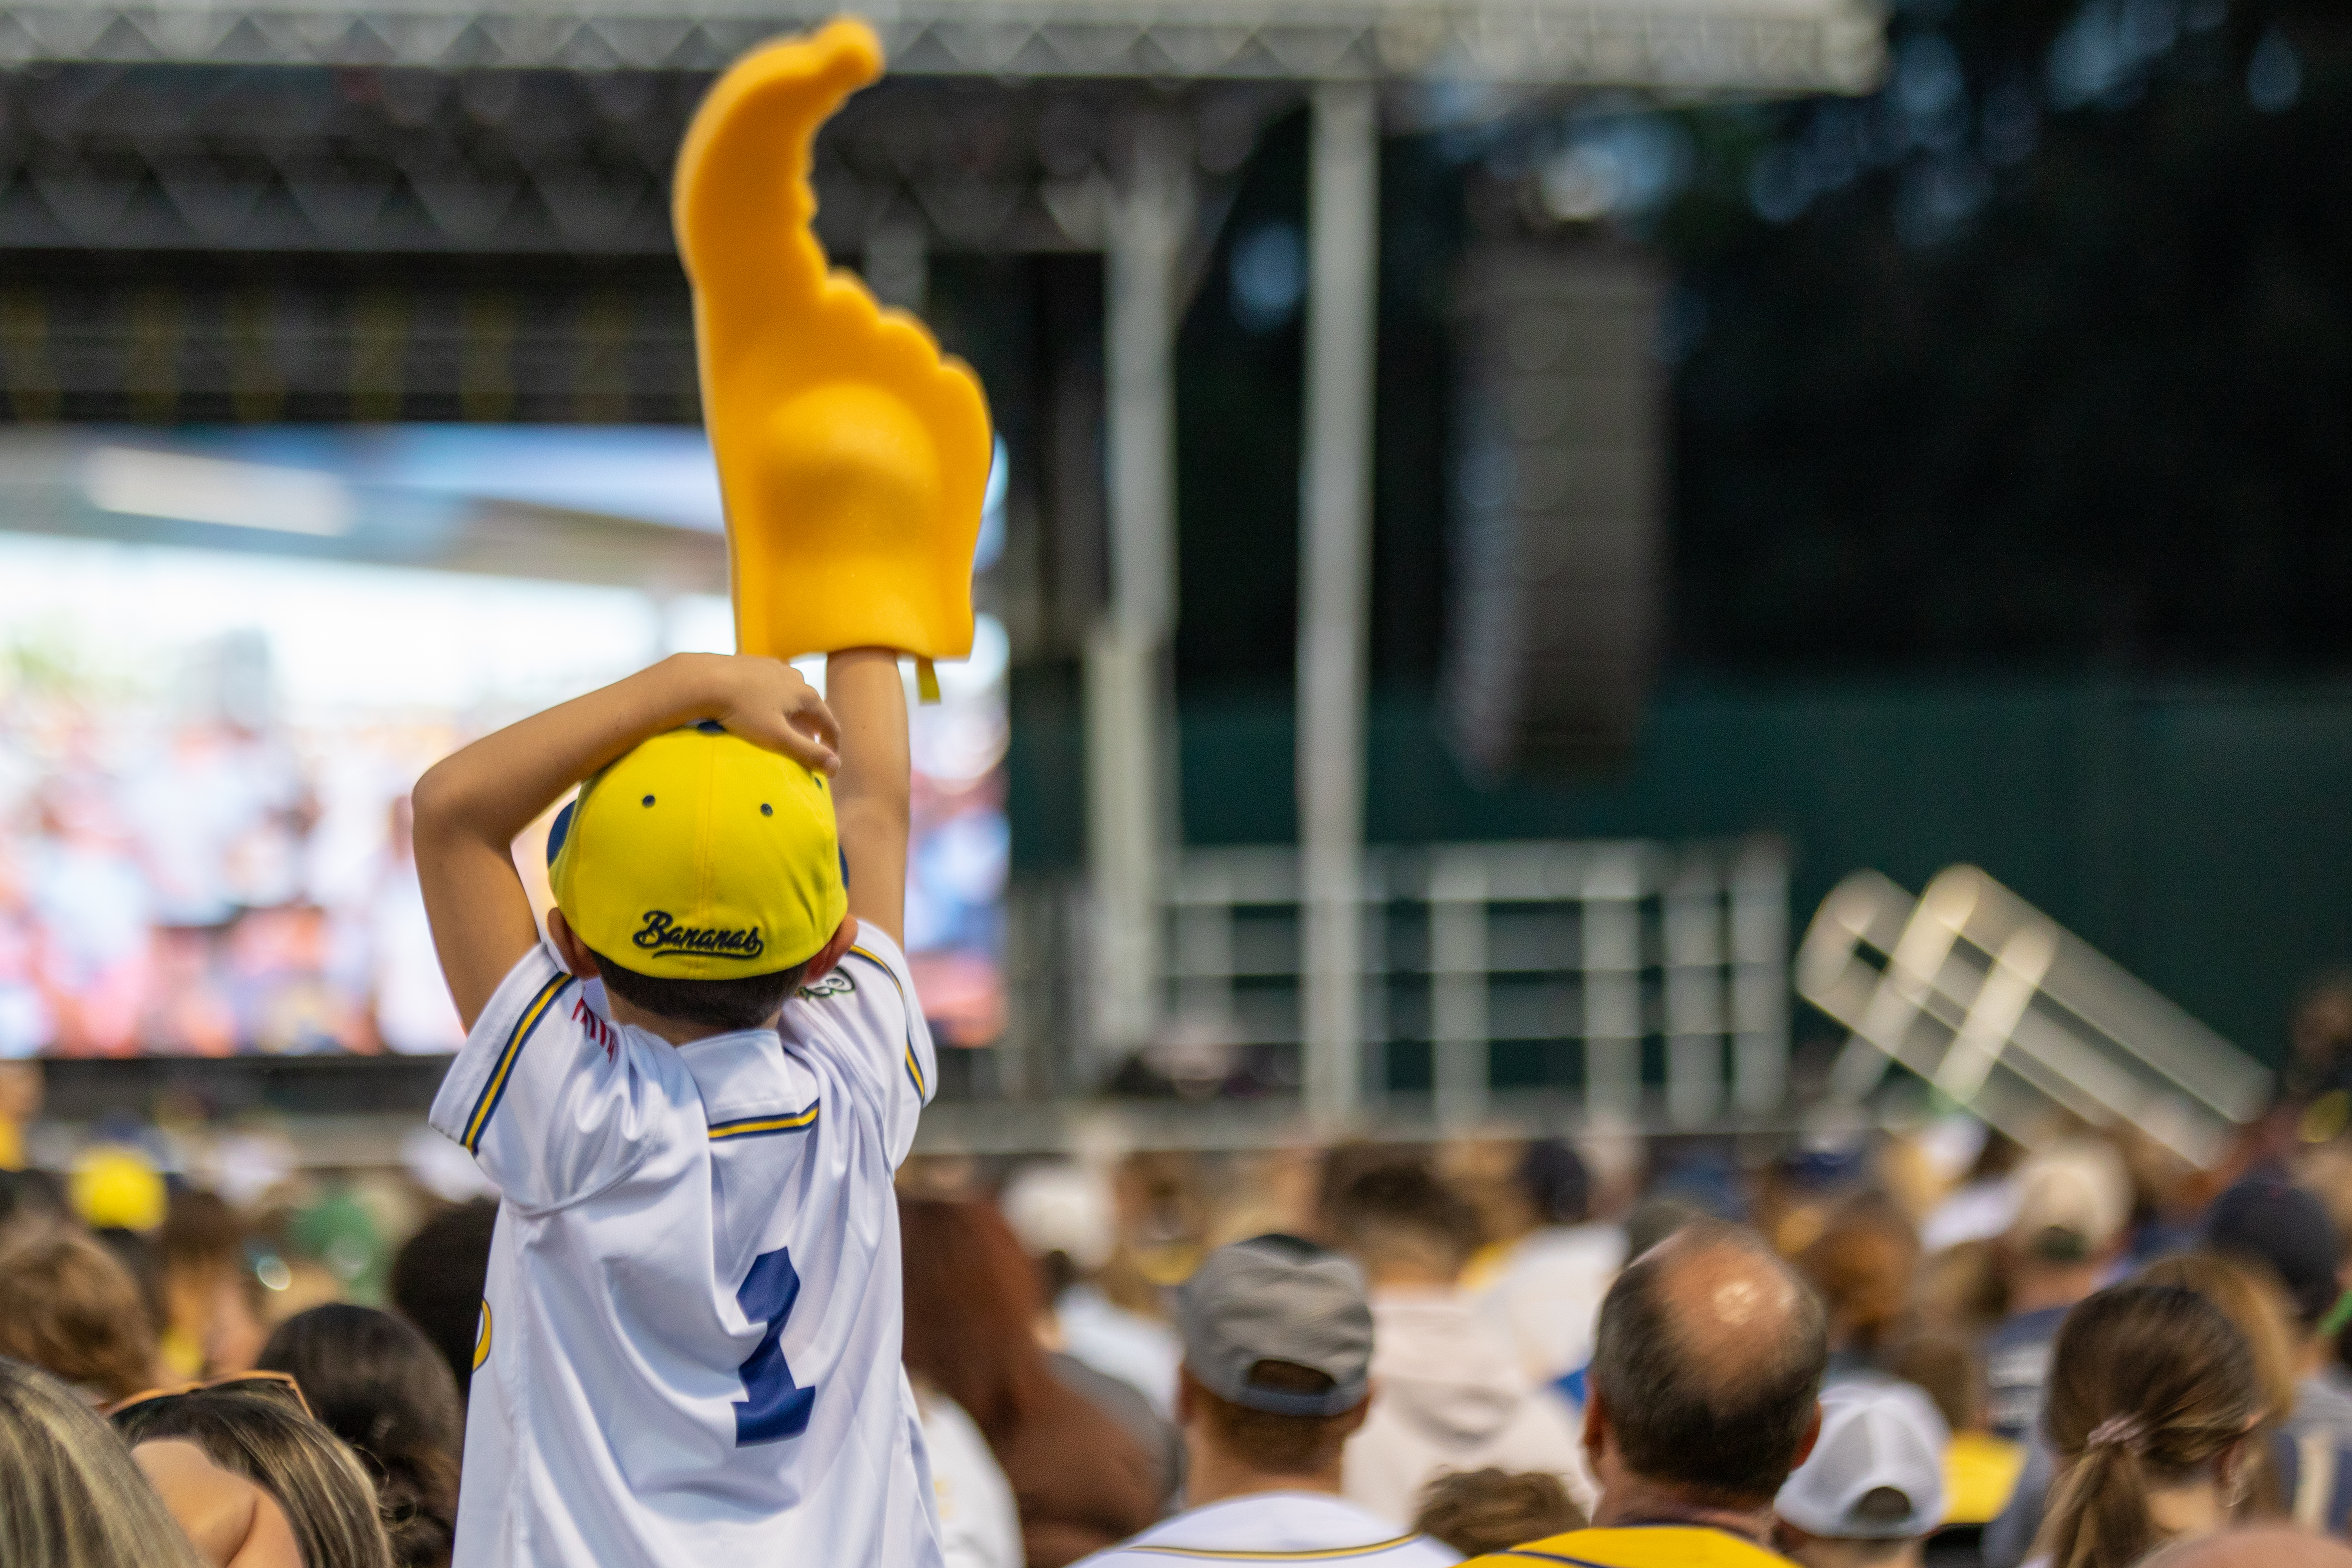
{"x":495,"y":1090}
{"x":765,"y":1127}
{"x":907,"y":1005}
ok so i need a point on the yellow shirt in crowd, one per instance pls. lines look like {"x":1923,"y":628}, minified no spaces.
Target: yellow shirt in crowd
{"x":1639,"y":1546}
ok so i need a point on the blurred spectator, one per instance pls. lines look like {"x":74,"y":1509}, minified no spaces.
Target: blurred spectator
{"x":1703,"y":1379}
{"x":1550,"y":1270}
{"x":70,"y":1308}
{"x":2300,"y":1470}
{"x":116,"y":1186}
{"x":2319,"y":1061}
{"x":437,"y":1282}
{"x":412,"y":1008}
{"x":1798,"y":1190}
{"x":2072,"y":1201}
{"x":73,"y":1498}
{"x":2151,"y":1403}
{"x":252,"y":1479}
{"x":1655,"y":1218}
{"x":2286,"y":1231}
{"x":20,"y":1102}
{"x":376,"y":1383}
{"x":1448,"y":1392}
{"x":1984,"y":1204}
{"x":2255,"y":1546}
{"x":1476,"y":1512}
{"x":978,"y":1525}
{"x":1980,"y":1471}
{"x":212,"y":1321}
{"x":1278,"y":1338}
{"x":1862,"y":1265}
{"x":1963,"y":1289}
{"x":1872,"y":1490}
{"x":1063,"y":1214}
{"x":29,"y":1200}
{"x":2256,"y":1308}
{"x":1079,"y":1479}
{"x":91,"y":908}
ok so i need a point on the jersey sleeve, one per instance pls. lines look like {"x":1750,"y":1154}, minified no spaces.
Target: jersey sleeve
{"x":547,"y":1095}
{"x":870,"y":999}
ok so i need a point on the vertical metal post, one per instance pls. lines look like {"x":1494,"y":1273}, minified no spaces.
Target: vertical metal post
{"x":1612,"y":921}
{"x":1335,"y":584}
{"x":1760,"y":978}
{"x":1128,"y":686}
{"x":1459,"y":1026}
{"x":1694,"y":920}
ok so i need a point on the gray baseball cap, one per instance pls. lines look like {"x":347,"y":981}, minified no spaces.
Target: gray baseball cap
{"x":1278,"y":1298}
{"x":1878,"y":1472}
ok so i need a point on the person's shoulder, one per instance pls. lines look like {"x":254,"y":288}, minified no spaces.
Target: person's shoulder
{"x":1638,"y":1546}
{"x":1310,"y":1527}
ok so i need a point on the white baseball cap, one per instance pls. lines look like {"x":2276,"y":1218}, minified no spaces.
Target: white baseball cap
{"x":2074,"y":1199}
{"x":1878,"y":1472}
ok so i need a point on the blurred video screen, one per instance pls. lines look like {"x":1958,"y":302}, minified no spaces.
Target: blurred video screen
{"x":226,"y":657}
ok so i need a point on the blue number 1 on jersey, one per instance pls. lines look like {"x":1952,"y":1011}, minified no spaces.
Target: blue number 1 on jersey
{"x":778,"y":1407}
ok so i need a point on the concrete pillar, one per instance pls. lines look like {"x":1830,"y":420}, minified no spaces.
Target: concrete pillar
{"x":1335,"y":586}
{"x":1129,"y":686}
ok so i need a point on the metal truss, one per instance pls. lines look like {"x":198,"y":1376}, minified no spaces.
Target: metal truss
{"x":175,"y":158}
{"x":1771,"y":46}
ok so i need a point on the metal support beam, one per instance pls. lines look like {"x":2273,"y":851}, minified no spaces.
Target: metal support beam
{"x":1128,"y":684}
{"x":1335,"y":585}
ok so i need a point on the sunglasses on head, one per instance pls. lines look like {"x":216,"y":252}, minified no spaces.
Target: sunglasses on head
{"x":276,"y":1385}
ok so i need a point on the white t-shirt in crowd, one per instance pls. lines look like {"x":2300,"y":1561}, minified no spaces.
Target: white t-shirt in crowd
{"x":979,"y":1526}
{"x":688,"y":1351}
{"x":1276,"y":1527}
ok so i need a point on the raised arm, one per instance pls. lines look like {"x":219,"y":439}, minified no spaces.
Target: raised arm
{"x":471,"y":805}
{"x":872,"y":794}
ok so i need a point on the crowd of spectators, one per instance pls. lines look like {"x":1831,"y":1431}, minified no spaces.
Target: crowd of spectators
{"x":1871,"y":1349}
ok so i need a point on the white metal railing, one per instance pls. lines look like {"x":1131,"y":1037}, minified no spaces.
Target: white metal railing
{"x":2006,"y":1012}
{"x":1619,"y":950}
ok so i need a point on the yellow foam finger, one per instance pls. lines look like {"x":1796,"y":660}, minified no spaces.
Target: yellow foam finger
{"x":853,"y":455}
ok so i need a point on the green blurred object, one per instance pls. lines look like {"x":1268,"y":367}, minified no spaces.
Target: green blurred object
{"x":340,"y":1233}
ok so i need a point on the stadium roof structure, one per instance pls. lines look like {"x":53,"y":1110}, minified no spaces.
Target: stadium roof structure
{"x":1678,"y":46}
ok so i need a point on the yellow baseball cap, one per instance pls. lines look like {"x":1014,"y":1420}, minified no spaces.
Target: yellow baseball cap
{"x":699,"y":856}
{"x":116,"y":1186}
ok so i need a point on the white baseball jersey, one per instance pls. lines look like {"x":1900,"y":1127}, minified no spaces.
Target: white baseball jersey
{"x":1276,"y":1527}
{"x":690,"y":1341}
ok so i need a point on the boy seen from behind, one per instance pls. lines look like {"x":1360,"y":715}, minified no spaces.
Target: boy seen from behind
{"x":692,"y":1097}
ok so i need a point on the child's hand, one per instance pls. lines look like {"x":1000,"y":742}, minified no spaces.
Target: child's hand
{"x":767,"y":703}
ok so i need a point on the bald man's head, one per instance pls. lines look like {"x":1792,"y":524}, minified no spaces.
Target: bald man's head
{"x":1708,"y":1364}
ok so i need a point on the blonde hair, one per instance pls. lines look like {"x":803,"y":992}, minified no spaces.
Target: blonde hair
{"x":73,"y":1498}
{"x":2148,"y":1385}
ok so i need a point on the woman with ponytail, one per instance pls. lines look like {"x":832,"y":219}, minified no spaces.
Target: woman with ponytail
{"x":2150,"y":1402}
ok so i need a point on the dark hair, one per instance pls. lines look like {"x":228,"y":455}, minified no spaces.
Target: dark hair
{"x":1479,"y":1511}
{"x":1558,"y":1186}
{"x":1405,"y":1207}
{"x":324,"y":1492}
{"x":743,"y":1001}
{"x":1719,"y":1416}
{"x":379,"y":1384}
{"x":2162,"y":1377}
{"x":1274,"y":1444}
{"x":437,"y":1282}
